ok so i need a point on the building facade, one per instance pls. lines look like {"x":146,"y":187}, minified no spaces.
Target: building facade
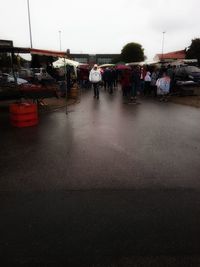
{"x":172,"y":56}
{"x":94,"y":58}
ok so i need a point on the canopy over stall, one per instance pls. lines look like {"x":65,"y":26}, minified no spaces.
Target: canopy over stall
{"x":142,"y":63}
{"x":52,"y":53}
{"x":63,"y":62}
{"x":26,"y":50}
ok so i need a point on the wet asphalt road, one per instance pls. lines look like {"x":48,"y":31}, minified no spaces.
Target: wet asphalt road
{"x":109,"y":183}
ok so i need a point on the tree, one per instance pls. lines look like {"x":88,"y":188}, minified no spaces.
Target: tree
{"x":132,"y":52}
{"x":193,"y":51}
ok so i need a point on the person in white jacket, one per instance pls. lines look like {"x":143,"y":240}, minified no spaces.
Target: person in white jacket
{"x":95,"y":77}
{"x":147,"y":83}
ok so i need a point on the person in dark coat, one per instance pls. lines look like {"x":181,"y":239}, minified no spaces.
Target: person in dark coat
{"x":135,"y":82}
{"x":105,"y":78}
{"x":108,"y":78}
{"x":114,"y":78}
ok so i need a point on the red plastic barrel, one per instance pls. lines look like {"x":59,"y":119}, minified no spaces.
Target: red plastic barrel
{"x":23,"y":115}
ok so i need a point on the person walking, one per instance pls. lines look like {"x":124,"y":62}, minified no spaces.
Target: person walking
{"x":135,"y":83}
{"x":114,"y":78}
{"x":110,"y":81}
{"x":147,"y":83}
{"x":163,"y":86}
{"x":154,"y":78}
{"x":126,"y":82}
{"x":105,"y":79}
{"x":95,"y":78}
{"x":142,"y":75}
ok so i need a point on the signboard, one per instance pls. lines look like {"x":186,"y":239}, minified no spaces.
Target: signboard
{"x":6,"y":43}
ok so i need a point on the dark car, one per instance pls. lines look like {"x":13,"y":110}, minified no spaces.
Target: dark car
{"x":187,"y":80}
{"x":187,"y":73}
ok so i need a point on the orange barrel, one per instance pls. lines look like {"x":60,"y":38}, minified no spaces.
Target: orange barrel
{"x":23,"y":114}
{"x":74,"y":92}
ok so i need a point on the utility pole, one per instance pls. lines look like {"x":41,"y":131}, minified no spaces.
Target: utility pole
{"x":66,"y":85}
{"x":163,"y":39}
{"x":29,"y":20}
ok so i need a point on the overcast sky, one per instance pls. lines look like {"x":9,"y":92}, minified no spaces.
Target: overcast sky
{"x":101,"y":26}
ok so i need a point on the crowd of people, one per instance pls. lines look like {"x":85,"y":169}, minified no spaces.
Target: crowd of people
{"x":135,"y":80}
{"x":147,"y":81}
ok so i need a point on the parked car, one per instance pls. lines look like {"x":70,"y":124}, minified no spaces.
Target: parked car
{"x":10,"y":79}
{"x":26,"y":74}
{"x":187,"y":73}
{"x":187,"y":80}
{"x":41,"y":74}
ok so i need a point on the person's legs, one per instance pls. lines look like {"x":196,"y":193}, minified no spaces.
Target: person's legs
{"x":110,"y":87}
{"x":146,"y":88}
{"x":149,"y":88}
{"x":166,"y":97}
{"x":133,"y":91}
{"x":142,"y":87}
{"x":155,"y":90}
{"x":116,"y":83}
{"x":124,"y":90}
{"x":95,"y":89}
{"x":106,"y":85}
{"x":161,"y":96}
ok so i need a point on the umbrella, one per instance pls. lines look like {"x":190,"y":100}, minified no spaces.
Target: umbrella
{"x":123,"y":67}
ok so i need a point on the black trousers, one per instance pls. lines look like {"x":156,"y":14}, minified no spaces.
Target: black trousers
{"x":110,"y":87}
{"x":96,"y":89}
{"x":147,"y":88}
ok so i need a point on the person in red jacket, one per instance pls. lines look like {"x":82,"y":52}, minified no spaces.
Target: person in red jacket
{"x":126,"y":82}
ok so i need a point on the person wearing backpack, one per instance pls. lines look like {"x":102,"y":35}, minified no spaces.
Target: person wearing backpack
{"x":95,"y":78}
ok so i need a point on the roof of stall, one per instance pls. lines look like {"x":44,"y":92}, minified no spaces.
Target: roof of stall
{"x":34,"y":51}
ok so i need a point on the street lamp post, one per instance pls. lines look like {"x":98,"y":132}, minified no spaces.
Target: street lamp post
{"x":163,"y":39}
{"x":66,"y":85}
{"x":60,"y":40}
{"x":29,"y":20}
